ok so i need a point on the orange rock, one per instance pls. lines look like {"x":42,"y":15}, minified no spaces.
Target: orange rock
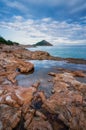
{"x":67,"y":101}
{"x":79,"y":74}
{"x":9,"y":117}
{"x":39,"y":123}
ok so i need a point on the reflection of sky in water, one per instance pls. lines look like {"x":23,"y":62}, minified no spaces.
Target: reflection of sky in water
{"x":42,"y":68}
{"x":51,"y":63}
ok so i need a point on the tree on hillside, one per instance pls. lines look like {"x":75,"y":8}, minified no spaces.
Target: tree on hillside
{"x":3,"y":41}
{"x":10,"y":42}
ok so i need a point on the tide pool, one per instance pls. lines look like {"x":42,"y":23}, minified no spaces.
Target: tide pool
{"x":40,"y":73}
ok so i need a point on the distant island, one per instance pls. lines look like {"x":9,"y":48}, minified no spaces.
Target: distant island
{"x":43,"y":43}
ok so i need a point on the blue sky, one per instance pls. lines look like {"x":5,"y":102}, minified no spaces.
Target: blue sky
{"x":30,"y":21}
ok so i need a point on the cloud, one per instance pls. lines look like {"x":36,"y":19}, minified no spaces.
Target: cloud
{"x":54,"y":2}
{"x":29,"y":31}
{"x":79,"y":8}
{"x":18,"y":18}
{"x":71,"y":5}
{"x":16,"y":4}
{"x":46,"y":19}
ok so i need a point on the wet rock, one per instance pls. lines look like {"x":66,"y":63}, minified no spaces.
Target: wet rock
{"x":79,"y":74}
{"x":66,"y":102}
{"x":36,"y":84}
{"x":51,"y":74}
{"x":75,"y":60}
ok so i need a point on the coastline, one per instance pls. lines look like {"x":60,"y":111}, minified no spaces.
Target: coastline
{"x":37,"y":55}
{"x":66,"y":102}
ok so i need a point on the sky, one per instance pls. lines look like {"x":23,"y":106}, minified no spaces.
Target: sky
{"x":56,"y":21}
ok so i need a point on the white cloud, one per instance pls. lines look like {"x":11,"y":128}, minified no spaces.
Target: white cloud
{"x":18,"y":18}
{"x":46,"y":19}
{"x":31,"y":31}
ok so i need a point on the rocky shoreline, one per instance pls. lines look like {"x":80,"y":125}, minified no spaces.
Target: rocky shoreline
{"x":23,"y":108}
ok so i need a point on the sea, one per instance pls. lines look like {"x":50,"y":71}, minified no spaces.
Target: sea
{"x":64,"y":51}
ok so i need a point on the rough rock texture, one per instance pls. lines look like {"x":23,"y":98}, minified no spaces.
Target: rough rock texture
{"x":11,"y":66}
{"x":15,"y":102}
{"x":39,"y":124}
{"x":68,"y":101}
{"x":9,"y":117}
{"x":24,"y":108}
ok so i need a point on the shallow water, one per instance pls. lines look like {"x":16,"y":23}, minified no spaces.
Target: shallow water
{"x":40,"y":73}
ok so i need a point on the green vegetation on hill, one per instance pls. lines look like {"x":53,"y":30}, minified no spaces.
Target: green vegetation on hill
{"x":7,"y":42}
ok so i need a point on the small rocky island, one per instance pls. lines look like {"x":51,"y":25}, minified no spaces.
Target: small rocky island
{"x":27,"y":108}
{"x":43,"y":43}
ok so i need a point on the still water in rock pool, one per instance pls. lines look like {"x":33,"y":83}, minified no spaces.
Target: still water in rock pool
{"x":40,"y":73}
